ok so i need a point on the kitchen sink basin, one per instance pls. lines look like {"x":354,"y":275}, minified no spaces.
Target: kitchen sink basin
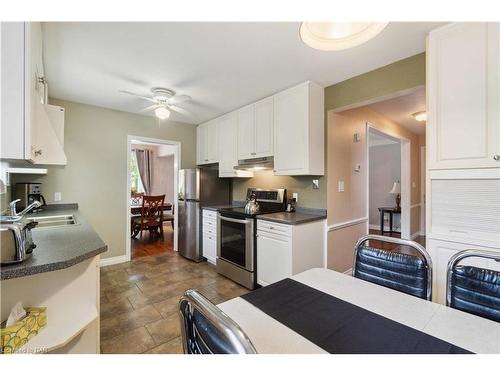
{"x":53,"y":221}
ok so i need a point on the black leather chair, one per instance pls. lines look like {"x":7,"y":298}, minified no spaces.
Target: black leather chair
{"x":472,"y":289}
{"x":207,"y":330}
{"x":409,"y":274}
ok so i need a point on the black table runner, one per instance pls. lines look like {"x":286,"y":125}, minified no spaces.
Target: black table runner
{"x":340,"y":327}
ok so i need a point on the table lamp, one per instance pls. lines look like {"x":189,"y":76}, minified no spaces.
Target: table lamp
{"x":396,"y":189}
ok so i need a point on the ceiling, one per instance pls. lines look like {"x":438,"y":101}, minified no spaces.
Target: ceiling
{"x":400,"y":110}
{"x":222,"y":66}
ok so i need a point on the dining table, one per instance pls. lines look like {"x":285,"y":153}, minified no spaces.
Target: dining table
{"x":136,"y":209}
{"x":324,"y":311}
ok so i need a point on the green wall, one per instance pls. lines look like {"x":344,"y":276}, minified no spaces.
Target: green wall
{"x":401,"y":75}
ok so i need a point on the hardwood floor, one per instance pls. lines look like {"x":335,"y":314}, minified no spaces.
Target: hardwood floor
{"x":139,"y":301}
{"x":152,"y":244}
{"x":395,"y":247}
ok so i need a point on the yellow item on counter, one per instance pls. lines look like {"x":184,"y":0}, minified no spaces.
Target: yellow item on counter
{"x":16,"y":335}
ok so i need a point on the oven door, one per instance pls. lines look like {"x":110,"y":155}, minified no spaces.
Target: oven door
{"x":235,"y":241}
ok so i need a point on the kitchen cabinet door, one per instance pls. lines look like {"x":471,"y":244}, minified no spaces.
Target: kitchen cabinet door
{"x":274,"y":258}
{"x":228,"y":158}
{"x":246,"y":132}
{"x":264,"y":127}
{"x":291,"y":129}
{"x":201,"y":139}
{"x":12,"y":136}
{"x":463,"y":82}
{"x":211,"y":142}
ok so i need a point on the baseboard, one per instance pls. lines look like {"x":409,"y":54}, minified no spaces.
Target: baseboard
{"x":348,"y":272}
{"x":113,"y":260}
{"x":377,"y":227}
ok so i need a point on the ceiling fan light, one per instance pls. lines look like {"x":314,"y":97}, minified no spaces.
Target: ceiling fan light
{"x":420,"y":116}
{"x":162,"y":113}
{"x":335,"y":36}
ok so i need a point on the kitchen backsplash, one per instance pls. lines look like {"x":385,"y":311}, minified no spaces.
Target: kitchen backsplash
{"x":308,"y":197}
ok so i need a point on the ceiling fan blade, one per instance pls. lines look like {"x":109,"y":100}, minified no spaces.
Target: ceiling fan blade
{"x":178,"y":99}
{"x":137,"y":95}
{"x":150,"y":108}
{"x":180,"y":110}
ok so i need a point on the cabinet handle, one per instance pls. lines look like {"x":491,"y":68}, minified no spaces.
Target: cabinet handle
{"x":38,"y":152}
{"x":271,"y":227}
{"x":496,"y":157}
{"x":253,"y":153}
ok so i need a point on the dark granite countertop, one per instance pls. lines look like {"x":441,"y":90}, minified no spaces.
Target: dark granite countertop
{"x":301,"y":216}
{"x":58,"y":248}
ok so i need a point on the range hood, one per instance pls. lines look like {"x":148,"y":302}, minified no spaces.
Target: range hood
{"x":256,"y":164}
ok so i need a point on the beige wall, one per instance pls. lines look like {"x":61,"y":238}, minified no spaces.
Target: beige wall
{"x":343,"y":155}
{"x":308,"y":197}
{"x":96,"y":173}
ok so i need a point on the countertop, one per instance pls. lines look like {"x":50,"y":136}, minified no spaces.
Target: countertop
{"x":58,"y":248}
{"x":301,"y":216}
{"x":220,"y":207}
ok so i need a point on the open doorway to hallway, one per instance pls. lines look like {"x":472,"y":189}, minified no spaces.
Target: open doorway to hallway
{"x":152,"y":196}
{"x":349,"y":213}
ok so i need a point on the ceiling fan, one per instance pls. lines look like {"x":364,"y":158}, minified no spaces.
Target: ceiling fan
{"x":164,"y":100}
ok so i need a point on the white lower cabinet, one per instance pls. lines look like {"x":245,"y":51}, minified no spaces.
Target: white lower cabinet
{"x":441,"y":252}
{"x":285,"y":250}
{"x":209,"y":227}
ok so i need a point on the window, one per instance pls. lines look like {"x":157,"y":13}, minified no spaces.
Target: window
{"x":135,"y":178}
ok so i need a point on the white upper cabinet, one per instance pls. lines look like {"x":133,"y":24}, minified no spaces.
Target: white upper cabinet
{"x":206,"y":142}
{"x":463,"y":84}
{"x":255,"y":130}
{"x":264,"y":127}
{"x":228,"y":158}
{"x":246,"y":132}
{"x":299,"y":131}
{"x":31,"y":129}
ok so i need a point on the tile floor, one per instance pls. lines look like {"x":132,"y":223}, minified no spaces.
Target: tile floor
{"x":139,"y":301}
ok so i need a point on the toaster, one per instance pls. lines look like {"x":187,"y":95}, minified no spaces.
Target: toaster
{"x":16,"y":243}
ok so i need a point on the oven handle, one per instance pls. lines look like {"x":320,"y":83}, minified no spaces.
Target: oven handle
{"x":244,"y":221}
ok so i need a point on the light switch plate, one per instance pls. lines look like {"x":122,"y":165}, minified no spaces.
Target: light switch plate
{"x":57,"y":196}
{"x":315,"y":184}
{"x":341,"y":186}
{"x":296,"y":196}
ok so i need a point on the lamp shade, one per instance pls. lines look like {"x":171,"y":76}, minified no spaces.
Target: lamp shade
{"x":396,"y":188}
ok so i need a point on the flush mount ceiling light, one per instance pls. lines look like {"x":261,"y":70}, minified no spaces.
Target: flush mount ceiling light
{"x":162,"y":113}
{"x":420,"y":116}
{"x":335,"y":36}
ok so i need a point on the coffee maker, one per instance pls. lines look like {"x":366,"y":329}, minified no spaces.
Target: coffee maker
{"x":28,"y":192}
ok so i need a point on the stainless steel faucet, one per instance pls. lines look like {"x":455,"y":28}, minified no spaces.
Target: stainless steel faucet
{"x":12,"y":205}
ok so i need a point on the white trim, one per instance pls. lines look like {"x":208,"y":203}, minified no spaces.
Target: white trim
{"x":177,"y":164}
{"x":346,"y":224}
{"x":348,"y":272}
{"x":405,"y":177}
{"x":113,"y":260}
{"x":377,"y":227}
{"x":423,"y":172}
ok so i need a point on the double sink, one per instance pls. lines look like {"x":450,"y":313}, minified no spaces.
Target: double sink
{"x":53,"y":221}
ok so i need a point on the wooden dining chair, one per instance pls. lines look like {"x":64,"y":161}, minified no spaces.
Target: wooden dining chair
{"x":151,"y":216}
{"x":170,"y":216}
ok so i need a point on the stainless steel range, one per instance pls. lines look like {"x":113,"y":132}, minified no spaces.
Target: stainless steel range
{"x":236,"y":228}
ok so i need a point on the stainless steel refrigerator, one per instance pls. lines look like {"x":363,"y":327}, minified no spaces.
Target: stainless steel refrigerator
{"x":198,"y":188}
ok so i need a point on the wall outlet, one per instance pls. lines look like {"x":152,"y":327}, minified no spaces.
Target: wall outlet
{"x":341,"y":186}
{"x":296,"y":196}
{"x":57,"y":196}
{"x":357,"y":168}
{"x":315,"y":184}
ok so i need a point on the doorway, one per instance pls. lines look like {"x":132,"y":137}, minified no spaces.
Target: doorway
{"x":152,"y":170}
{"x":388,"y":184}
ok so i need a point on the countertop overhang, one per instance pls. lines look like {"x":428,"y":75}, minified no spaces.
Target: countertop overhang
{"x":58,"y":248}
